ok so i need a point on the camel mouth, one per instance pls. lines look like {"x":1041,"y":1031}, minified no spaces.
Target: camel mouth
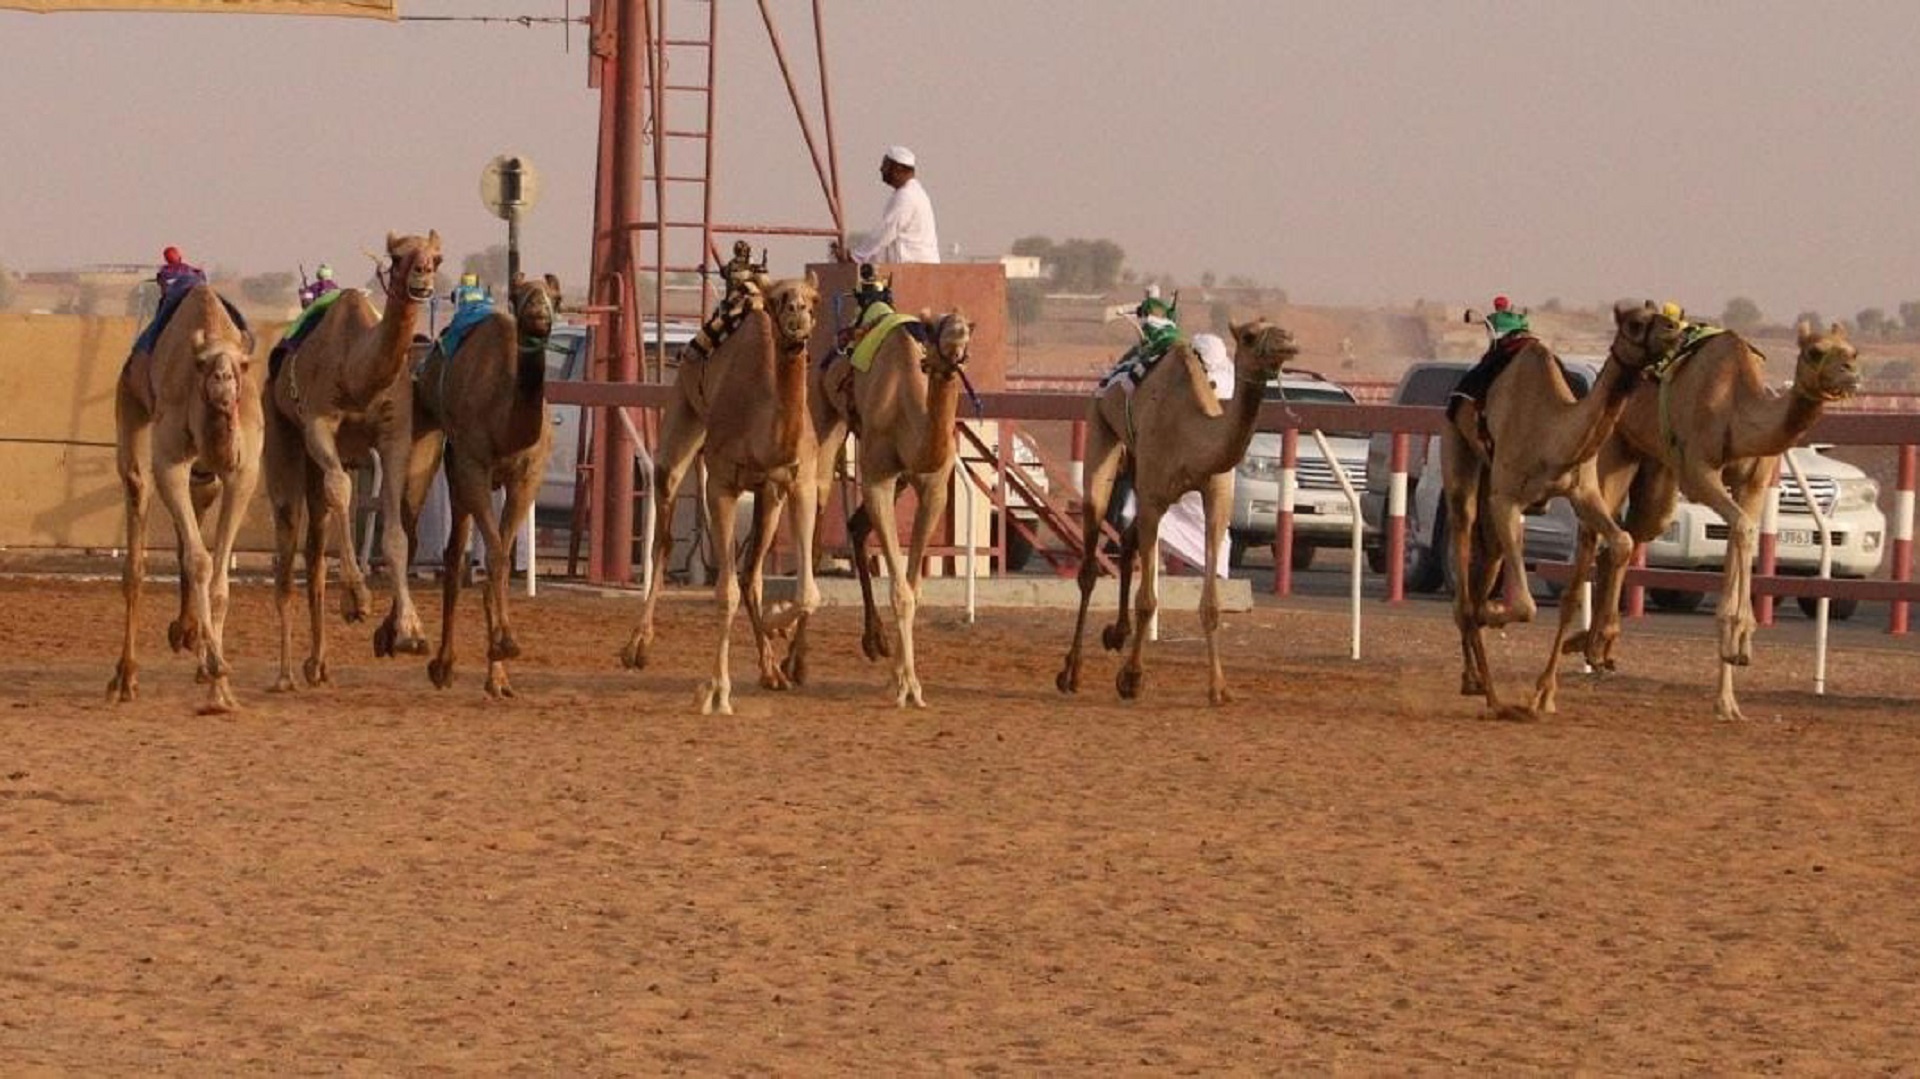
{"x":421,"y":293}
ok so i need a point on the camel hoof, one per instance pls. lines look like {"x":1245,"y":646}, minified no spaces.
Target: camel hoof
{"x":383,"y":640}
{"x":1219,"y":695}
{"x":282,"y":684}
{"x":440,"y":672}
{"x":634,"y":656}
{"x":498,"y":687}
{"x":1514,"y":713}
{"x":316,"y":673}
{"x":1727,"y":712}
{"x":795,"y":667}
{"x":354,"y":601}
{"x":715,"y":698}
{"x":1114,"y":636}
{"x":220,"y":702}
{"x":124,"y":686}
{"x":1544,"y":702}
{"x":775,"y":679}
{"x":1067,"y":681}
{"x":183,"y":635}
{"x":1575,"y":645}
{"x":1128,"y":683}
{"x":873,"y":643}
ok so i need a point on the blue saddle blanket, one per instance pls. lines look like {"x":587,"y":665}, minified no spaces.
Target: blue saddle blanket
{"x":468,"y":316}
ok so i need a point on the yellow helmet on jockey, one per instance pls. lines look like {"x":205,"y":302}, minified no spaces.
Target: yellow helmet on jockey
{"x":1673,"y":311}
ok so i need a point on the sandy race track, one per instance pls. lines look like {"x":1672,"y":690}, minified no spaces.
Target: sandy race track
{"x":1346,"y":868}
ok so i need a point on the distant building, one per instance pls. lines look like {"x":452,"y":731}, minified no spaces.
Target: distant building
{"x":1021,"y":267}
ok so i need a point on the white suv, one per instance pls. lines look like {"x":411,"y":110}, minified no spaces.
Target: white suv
{"x":1696,"y":538}
{"x":1321,"y":515}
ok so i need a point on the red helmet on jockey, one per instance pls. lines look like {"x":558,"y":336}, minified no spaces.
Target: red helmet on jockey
{"x":1501,"y":303}
{"x":172,"y":256}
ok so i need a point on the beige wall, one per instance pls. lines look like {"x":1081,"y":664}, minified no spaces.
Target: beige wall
{"x":58,"y":487}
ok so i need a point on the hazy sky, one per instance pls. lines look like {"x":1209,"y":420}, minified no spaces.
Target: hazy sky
{"x":1351,"y":152}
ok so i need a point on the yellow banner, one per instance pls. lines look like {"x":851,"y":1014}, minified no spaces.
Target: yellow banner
{"x":366,"y":9}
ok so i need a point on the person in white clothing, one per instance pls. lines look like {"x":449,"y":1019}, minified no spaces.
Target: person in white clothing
{"x":906,"y":232}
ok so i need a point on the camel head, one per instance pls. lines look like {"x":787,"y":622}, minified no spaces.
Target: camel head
{"x":952,"y":341}
{"x":220,"y":366}
{"x":534,"y":305}
{"x":1828,"y":368}
{"x":1643,"y":333}
{"x":1260,"y":348}
{"x":413,"y":260}
{"x":791,"y":302}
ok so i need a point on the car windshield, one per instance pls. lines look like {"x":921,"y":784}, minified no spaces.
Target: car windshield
{"x":1316,"y":394}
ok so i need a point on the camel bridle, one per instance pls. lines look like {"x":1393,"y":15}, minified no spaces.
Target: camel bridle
{"x":934,"y":361}
{"x":1817,"y":363}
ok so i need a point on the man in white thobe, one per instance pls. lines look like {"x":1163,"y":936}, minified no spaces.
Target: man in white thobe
{"x":906,"y":231}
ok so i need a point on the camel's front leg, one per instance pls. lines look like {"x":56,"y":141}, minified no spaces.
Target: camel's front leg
{"x":286,"y":524}
{"x":197,"y":567}
{"x":1103,"y":464}
{"x":767,"y":503}
{"x":336,"y":489}
{"x":1735,"y":613}
{"x":236,"y":493}
{"x":502,"y":646}
{"x":183,"y":635}
{"x":134,"y":453}
{"x":315,"y":671}
{"x":1463,"y":474}
{"x":1219,"y":506}
{"x":1572,"y":602}
{"x":422,"y":464}
{"x":722,"y":500}
{"x":930,"y":492}
{"x":806,"y":511}
{"x":396,"y":451}
{"x":1146,"y":526}
{"x":877,"y":495}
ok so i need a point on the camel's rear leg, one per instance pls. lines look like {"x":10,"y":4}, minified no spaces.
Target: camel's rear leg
{"x":502,"y":646}
{"x":396,"y":475}
{"x":1104,"y":456}
{"x":1219,"y":506}
{"x":440,"y":667}
{"x":873,"y":634}
{"x":335,"y":489}
{"x":1146,"y":525}
{"x":767,"y":504}
{"x":422,"y":464}
{"x":681,"y":436}
{"x":806,"y":511}
{"x":716,"y":694}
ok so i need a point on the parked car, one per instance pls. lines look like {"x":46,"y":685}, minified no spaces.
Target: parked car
{"x":1321,"y":513}
{"x":1696,"y":538}
{"x":568,"y":357}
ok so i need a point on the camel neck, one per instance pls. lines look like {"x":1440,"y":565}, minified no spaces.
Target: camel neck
{"x":790,"y":390}
{"x":390,"y":346}
{"x":1597,"y":412}
{"x":1766,"y":423}
{"x":943,"y":408}
{"x":1223,"y":440}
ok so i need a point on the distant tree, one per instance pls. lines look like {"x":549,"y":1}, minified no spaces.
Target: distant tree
{"x":1552,"y":306}
{"x":1741,"y":315}
{"x":490,"y":265}
{"x":1872,"y":322}
{"x":276,"y":287}
{"x":1896,"y":371}
{"x":1910,"y":315}
{"x":1811,"y":318}
{"x":1024,"y":302}
{"x":1240,"y":280}
{"x":1105,"y":258}
{"x":1038,"y":247}
{"x":1207,"y":279}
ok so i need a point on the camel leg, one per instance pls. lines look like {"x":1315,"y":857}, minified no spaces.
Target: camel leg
{"x":1146,"y":523}
{"x":315,"y":671}
{"x":873,"y":635}
{"x":900,"y":591}
{"x":501,"y":646}
{"x":336,"y":488}
{"x":768,"y":501}
{"x":681,"y":435}
{"x":396,"y":457}
{"x":422,"y":463}
{"x":183,"y":634}
{"x":173,"y":483}
{"x":1114,"y":637}
{"x":806,"y":515}
{"x":1219,"y":506}
{"x":930,"y":494}
{"x":286,"y":494}
{"x":1507,"y":523}
{"x":722,"y":500}
{"x":1596,"y":526}
{"x":1735,"y":613}
{"x":1651,"y":505}
{"x":440,"y":667}
{"x":236,"y":493}
{"x":1463,"y":474}
{"x":1104,"y":453}
{"x":132,"y":459}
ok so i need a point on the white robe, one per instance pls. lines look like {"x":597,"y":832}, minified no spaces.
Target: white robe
{"x":906,"y":231}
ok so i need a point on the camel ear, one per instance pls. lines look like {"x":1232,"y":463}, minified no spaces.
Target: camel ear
{"x":433,"y":239}
{"x":393,"y":243}
{"x":1838,"y":331}
{"x":813,"y":280}
{"x":199,"y":345}
{"x":1236,"y":328}
{"x":553,"y":286}
{"x":1803,"y":333}
{"x":519,"y":278}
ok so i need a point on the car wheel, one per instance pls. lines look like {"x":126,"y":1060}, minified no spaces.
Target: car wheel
{"x":1377,"y":558}
{"x":1673,"y":599}
{"x":1837,"y":609}
{"x":1237,"y":544}
{"x":1426,"y":566}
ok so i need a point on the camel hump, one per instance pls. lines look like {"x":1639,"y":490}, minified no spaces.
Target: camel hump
{"x":1199,"y":376}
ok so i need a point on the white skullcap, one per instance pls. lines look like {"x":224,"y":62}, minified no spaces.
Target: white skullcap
{"x":900,"y":155}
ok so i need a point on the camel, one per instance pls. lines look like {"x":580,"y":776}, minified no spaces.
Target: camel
{"x":744,"y":405}
{"x":492,"y":392}
{"x":1712,"y":430}
{"x":1174,"y":436}
{"x":905,"y":401}
{"x":189,"y":407}
{"x":339,"y":394}
{"x":1529,"y":441}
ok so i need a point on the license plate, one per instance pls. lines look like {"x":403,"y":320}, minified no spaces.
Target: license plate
{"x":1796,"y":537}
